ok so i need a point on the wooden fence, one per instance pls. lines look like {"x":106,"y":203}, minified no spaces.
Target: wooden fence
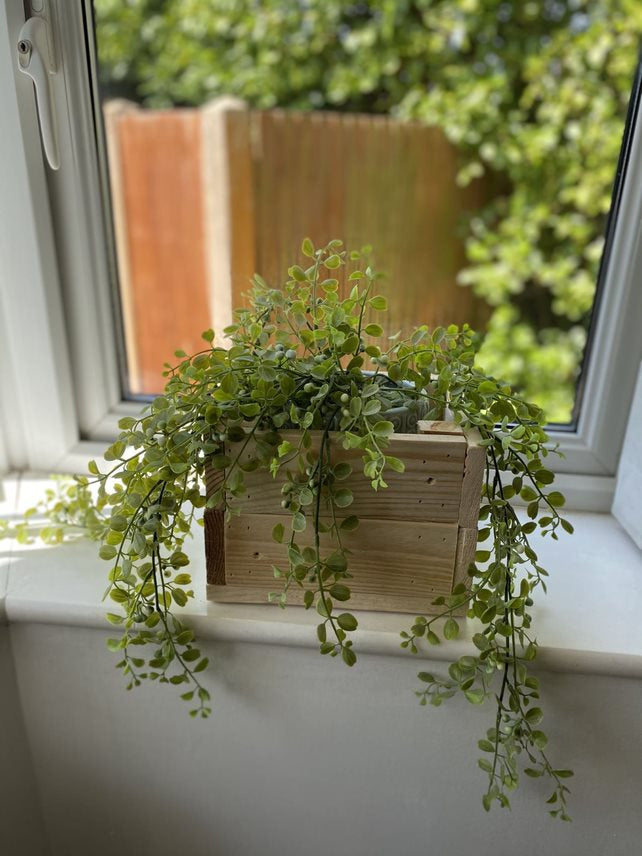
{"x":204,"y":198}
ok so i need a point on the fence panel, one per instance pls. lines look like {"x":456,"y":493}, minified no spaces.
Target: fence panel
{"x":203,"y":198}
{"x":367,"y":180}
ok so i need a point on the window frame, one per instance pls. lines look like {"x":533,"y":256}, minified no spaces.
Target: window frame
{"x":59,"y":240}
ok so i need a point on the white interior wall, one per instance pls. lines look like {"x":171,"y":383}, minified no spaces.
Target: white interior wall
{"x":21,"y":828}
{"x":304,"y":756}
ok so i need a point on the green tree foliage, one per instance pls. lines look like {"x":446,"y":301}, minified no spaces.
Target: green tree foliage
{"x":534,"y":92}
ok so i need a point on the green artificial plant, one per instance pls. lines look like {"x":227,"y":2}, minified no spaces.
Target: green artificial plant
{"x":305,"y":357}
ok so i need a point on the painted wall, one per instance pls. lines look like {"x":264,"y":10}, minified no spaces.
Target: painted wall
{"x":303,"y":756}
{"x":21,"y":828}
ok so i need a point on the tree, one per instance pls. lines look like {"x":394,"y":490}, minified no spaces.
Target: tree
{"x":535,"y":92}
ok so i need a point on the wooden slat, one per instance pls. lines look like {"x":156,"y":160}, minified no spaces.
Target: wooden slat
{"x":428,"y":490}
{"x":228,"y":199}
{"x":215,"y":546}
{"x":466,"y":547}
{"x":213,"y":480}
{"x":397,"y":559}
{"x":214,"y":520}
{"x":159,"y":189}
{"x":242,"y":205}
{"x":438,"y":427}
{"x":473,"y":476}
{"x":374,"y":602}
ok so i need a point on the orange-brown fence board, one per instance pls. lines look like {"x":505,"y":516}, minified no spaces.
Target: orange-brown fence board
{"x":157,"y":156}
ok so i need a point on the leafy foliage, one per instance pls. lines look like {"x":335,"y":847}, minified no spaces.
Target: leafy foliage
{"x":66,"y":512}
{"x":533,"y":92}
{"x":304,"y":358}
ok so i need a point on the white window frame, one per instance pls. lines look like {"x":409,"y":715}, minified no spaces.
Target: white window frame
{"x":60,"y":396}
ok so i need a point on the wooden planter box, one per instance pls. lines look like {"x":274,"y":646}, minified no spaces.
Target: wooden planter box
{"x":414,"y":542}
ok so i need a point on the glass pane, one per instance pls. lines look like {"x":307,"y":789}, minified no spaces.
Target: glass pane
{"x":473,"y":145}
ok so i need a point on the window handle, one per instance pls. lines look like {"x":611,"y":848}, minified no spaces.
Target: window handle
{"x":36,"y":59}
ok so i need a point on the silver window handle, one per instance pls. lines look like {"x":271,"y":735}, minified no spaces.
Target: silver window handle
{"x":36,"y":59}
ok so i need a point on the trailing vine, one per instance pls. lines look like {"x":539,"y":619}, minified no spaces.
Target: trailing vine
{"x":303,"y":357}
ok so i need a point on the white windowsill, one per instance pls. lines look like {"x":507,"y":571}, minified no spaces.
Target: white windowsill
{"x":595,"y":630}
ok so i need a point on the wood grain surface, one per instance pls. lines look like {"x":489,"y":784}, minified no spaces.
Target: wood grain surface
{"x":387,"y":557}
{"x":428,"y":490}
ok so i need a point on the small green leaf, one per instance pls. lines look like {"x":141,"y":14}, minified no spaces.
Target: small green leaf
{"x":395,"y":464}
{"x":544,"y":477}
{"x":297,"y":273}
{"x":191,"y":654}
{"x":342,"y":498}
{"x":298,"y":522}
{"x":540,"y":739}
{"x":355,"y":407}
{"x":378,"y":302}
{"x":374,"y":330}
{"x":179,"y":596}
{"x":323,"y":607}
{"x":383,"y":428}
{"x":451,"y":628}
{"x":340,"y":592}
{"x":475,"y":696}
{"x":348,"y":656}
{"x":346,"y":621}
{"x":342,"y":470}
{"x":534,"y":716}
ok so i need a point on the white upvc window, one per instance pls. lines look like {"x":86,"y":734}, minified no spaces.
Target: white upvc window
{"x":60,"y":384}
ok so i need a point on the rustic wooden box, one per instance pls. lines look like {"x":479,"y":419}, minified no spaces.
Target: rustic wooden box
{"x":414,"y":542}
